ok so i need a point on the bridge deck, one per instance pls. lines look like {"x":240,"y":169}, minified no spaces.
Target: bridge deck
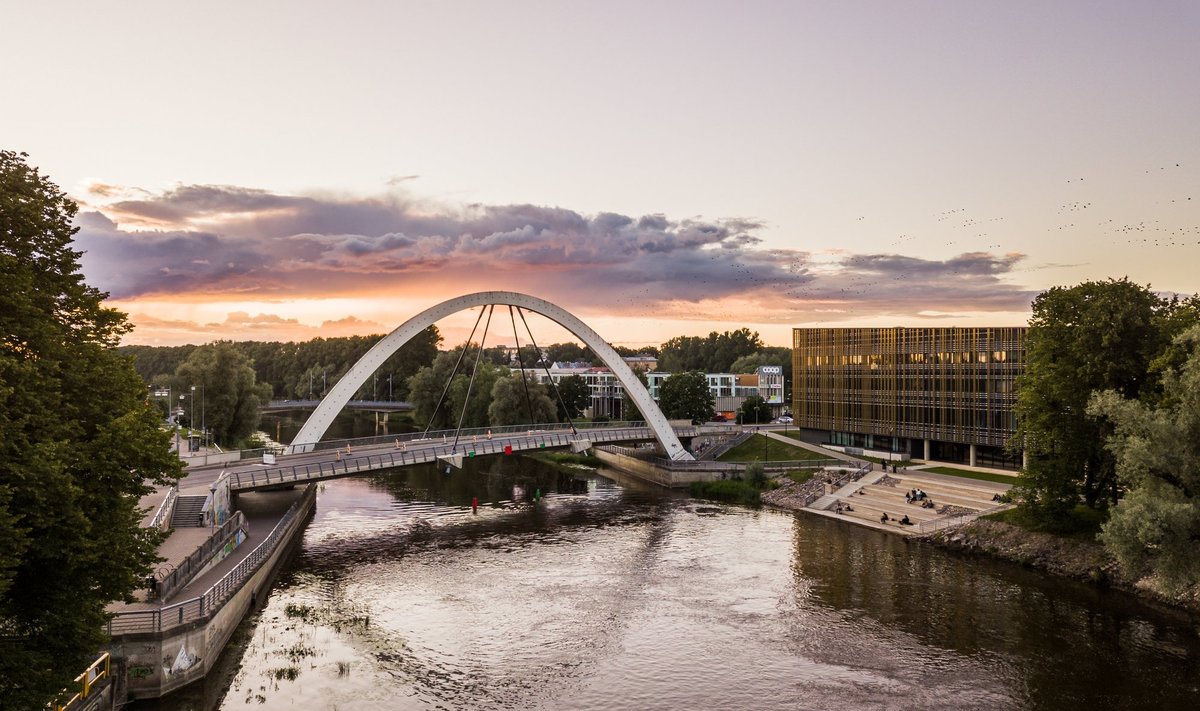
{"x":330,"y":464}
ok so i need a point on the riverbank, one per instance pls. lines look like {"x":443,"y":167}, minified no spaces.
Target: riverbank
{"x":1086,"y":561}
{"x":1075,"y":558}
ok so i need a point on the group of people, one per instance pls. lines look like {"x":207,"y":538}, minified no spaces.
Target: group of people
{"x":904,"y":521}
{"x":844,"y":507}
{"x":918,"y":495}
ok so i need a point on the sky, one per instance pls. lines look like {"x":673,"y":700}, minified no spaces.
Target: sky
{"x":287,"y":170}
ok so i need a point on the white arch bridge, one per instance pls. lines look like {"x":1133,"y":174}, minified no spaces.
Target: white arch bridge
{"x":310,"y":459}
{"x":333,"y":403}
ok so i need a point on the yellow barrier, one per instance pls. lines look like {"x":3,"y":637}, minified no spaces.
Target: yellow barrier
{"x":98,"y":671}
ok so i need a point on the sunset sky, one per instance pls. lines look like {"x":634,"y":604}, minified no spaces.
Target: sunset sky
{"x":282,"y":170}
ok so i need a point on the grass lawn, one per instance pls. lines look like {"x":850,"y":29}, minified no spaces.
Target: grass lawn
{"x":1080,"y":523}
{"x":801,"y":475}
{"x":965,"y":474}
{"x":752,"y":451}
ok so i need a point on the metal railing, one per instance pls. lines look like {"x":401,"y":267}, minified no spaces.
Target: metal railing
{"x":190,"y":566}
{"x":937,"y":524}
{"x":97,"y":672}
{"x":704,"y":465}
{"x":164,"y":509}
{"x":727,"y":445}
{"x":191,"y":610}
{"x":469,"y":432}
{"x":351,"y":464}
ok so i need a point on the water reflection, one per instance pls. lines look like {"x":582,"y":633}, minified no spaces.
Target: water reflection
{"x":598,"y":595}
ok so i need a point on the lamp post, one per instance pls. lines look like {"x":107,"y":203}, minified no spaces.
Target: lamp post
{"x":389,"y":387}
{"x":192,"y":419}
{"x":203,"y":426}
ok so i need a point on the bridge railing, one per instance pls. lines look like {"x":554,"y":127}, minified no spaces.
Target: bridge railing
{"x":190,"y":566}
{"x":937,"y":524}
{"x":468,"y":433}
{"x":196,"y":608}
{"x":471,"y":446}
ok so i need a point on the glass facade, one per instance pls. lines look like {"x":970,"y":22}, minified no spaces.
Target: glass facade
{"x":949,"y":385}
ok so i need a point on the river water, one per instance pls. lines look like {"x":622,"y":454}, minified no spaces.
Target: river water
{"x":602,"y":595}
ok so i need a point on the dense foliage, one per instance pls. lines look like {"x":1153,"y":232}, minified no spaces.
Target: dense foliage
{"x":575,"y":396}
{"x":1082,"y":339}
{"x":230,"y":398}
{"x":514,"y":401}
{"x":685,"y":396}
{"x":715,"y":353}
{"x":1155,"y":528}
{"x":307,"y":369}
{"x":754,"y":411}
{"x":78,"y":446}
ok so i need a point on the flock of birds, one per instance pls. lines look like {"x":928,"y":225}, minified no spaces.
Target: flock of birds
{"x":740,"y":272}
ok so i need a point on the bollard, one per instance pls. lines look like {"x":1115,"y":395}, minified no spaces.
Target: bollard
{"x":474,"y":504}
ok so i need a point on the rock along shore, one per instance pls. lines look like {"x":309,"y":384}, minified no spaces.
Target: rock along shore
{"x":1085,"y":561}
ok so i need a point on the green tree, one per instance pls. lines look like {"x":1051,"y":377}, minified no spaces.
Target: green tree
{"x":715,"y":353}
{"x":576,"y":394}
{"x":508,"y":404}
{"x":1155,"y":528}
{"x":230,"y":396}
{"x":629,"y":409}
{"x":1081,"y":339}
{"x":473,"y":412}
{"x":685,"y":396}
{"x":425,"y":387}
{"x":79,"y":444}
{"x":755,"y":411}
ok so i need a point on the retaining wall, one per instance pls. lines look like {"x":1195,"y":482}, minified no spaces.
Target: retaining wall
{"x":158,"y":663}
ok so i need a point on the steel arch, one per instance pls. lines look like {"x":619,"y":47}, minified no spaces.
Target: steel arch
{"x":333,"y":403}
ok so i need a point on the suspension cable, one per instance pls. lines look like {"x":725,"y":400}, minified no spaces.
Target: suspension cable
{"x":450,"y":379}
{"x":521,"y":364}
{"x":547,"y":369}
{"x":471,"y":384}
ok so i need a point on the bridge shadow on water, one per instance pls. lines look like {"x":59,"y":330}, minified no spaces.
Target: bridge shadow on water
{"x":432,"y":509}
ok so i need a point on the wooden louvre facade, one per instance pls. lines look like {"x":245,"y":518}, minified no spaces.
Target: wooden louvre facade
{"x":900,"y":385}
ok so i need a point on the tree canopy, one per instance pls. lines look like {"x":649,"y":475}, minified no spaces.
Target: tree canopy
{"x":79,"y":444}
{"x":715,"y":353}
{"x":755,"y":410}
{"x":230,"y":398}
{"x":576,"y":396}
{"x":1081,"y":339}
{"x":508,"y":404}
{"x":307,"y":369}
{"x":685,"y":396}
{"x":1155,"y":528}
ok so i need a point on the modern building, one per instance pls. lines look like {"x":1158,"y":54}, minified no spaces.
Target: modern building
{"x":730,"y":390}
{"x":945,"y":394}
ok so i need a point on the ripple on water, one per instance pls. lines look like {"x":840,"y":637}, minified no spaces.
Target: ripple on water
{"x":601,"y":597}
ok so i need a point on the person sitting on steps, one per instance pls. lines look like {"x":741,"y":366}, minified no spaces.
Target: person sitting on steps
{"x":884,"y":518}
{"x":905,"y":522}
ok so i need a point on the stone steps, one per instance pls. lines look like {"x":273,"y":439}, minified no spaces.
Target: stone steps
{"x":189,"y":512}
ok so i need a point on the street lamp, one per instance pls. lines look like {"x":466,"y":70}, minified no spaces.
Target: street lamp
{"x":192,"y":419}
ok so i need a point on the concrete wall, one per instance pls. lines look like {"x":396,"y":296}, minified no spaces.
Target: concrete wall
{"x":160,"y":663}
{"x":647,"y":471}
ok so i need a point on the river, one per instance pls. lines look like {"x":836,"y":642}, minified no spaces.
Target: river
{"x":606,"y":595}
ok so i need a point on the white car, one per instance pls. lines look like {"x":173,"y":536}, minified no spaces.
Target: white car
{"x":785,"y":420}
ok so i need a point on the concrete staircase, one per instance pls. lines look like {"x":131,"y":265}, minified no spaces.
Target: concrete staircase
{"x":188,"y":512}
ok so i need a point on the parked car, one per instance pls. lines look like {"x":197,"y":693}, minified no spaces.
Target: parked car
{"x":785,"y":420}
{"x":718,"y":417}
